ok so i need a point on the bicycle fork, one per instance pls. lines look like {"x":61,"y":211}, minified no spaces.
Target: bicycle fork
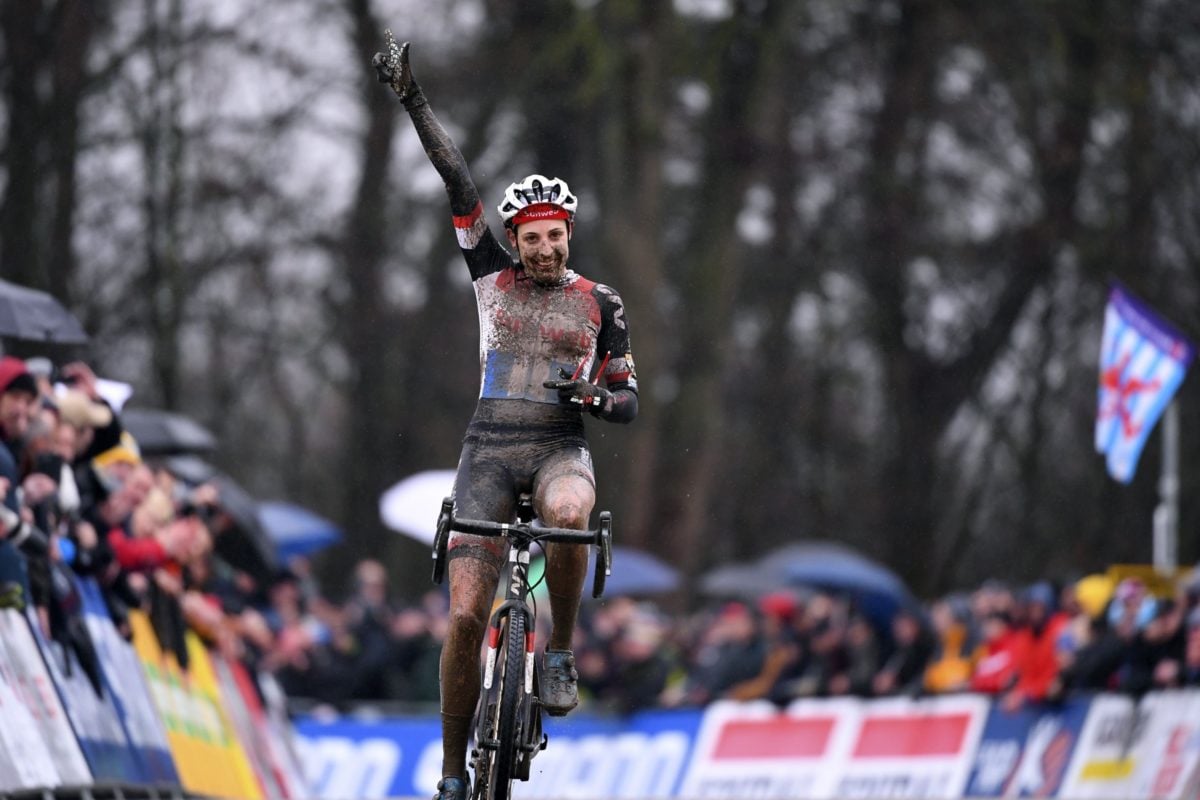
{"x":494,"y":643}
{"x":515,"y":602}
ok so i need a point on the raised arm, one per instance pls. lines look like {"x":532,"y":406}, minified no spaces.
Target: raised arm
{"x":393,"y":69}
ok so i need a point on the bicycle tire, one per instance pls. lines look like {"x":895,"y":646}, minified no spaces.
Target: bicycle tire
{"x":511,"y":689}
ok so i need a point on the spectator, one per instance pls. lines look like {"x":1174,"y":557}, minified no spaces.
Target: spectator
{"x":780,"y":611}
{"x":18,"y":390}
{"x":641,"y":662}
{"x":1036,"y":646}
{"x":297,"y":636}
{"x":1189,"y":671}
{"x":996,"y":658}
{"x":954,"y":657}
{"x":1161,"y":639}
{"x":1132,"y":608}
{"x":904,"y":669}
{"x":731,"y":651}
{"x":416,"y":646}
{"x":862,"y":656}
{"x":368,"y":617}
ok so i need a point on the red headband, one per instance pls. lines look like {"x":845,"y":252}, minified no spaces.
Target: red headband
{"x":535,"y":211}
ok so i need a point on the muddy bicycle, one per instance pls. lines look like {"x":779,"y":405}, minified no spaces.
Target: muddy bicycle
{"x":508,"y":718}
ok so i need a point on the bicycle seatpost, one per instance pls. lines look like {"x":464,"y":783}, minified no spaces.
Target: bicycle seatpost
{"x":525,"y":508}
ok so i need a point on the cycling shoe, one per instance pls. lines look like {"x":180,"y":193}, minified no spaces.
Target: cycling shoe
{"x":453,"y":788}
{"x":557,"y":688}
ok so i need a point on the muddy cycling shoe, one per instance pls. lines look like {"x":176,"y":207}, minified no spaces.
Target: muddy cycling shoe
{"x":558,"y":682}
{"x":453,"y":789}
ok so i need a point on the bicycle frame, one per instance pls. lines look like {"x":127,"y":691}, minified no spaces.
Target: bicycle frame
{"x":508,"y":726}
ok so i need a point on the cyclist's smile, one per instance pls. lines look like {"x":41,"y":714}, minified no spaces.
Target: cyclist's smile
{"x":542,"y":246}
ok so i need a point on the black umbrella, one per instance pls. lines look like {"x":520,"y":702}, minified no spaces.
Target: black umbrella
{"x":36,"y":316}
{"x":164,"y":433}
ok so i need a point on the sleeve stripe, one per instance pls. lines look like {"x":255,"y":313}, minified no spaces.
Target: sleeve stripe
{"x":471,"y":228}
{"x":470,"y":219}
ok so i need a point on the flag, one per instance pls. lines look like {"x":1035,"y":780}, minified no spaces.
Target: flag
{"x":1142,"y":362}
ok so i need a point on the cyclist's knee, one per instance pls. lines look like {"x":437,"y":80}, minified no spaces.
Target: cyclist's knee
{"x":468,"y":618}
{"x":567,"y":513}
{"x":568,"y":503}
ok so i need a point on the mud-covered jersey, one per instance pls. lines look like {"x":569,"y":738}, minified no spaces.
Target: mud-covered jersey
{"x":528,"y":332}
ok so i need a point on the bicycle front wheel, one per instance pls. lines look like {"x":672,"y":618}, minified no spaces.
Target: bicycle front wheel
{"x":508,"y":692}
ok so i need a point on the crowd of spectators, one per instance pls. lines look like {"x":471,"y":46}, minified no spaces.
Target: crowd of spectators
{"x":77,"y":498}
{"x":1037,"y":643}
{"x":79,"y":501}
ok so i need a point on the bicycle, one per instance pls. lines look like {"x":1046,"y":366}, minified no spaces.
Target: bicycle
{"x":508,"y":726}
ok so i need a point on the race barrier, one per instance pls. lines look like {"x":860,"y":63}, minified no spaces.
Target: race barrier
{"x":950,"y":746}
{"x":130,"y":722}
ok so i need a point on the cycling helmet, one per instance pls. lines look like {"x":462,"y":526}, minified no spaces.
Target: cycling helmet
{"x":537,"y":197}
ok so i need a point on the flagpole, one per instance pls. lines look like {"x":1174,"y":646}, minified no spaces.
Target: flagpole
{"x":1166,"y":514}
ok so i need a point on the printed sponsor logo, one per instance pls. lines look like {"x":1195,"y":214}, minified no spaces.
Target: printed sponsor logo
{"x":904,"y":736}
{"x":779,"y":737}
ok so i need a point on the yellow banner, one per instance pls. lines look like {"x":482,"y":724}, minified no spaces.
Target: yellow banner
{"x":208,"y":754}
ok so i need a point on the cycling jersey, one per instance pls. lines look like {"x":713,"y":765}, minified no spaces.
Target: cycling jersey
{"x":530,"y":333}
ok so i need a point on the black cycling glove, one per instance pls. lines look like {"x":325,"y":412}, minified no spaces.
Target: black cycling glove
{"x":595,"y":399}
{"x":392,"y":68}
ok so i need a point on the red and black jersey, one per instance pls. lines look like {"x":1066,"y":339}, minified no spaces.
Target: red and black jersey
{"x":530,"y":333}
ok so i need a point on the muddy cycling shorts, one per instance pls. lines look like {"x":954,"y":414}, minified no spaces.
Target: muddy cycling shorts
{"x":512,"y":447}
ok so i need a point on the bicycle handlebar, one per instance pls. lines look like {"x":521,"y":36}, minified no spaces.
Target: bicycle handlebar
{"x":480,"y":527}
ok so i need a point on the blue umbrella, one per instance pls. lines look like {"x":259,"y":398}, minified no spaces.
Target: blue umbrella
{"x":876,"y":591}
{"x":296,"y":531}
{"x":636,"y":572}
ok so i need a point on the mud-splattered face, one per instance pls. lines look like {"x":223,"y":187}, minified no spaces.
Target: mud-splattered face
{"x":542,"y":248}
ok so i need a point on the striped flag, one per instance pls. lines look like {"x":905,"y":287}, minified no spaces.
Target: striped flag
{"x":1142,"y":362}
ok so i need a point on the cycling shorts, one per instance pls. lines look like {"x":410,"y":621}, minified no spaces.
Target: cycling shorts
{"x":512,"y":447}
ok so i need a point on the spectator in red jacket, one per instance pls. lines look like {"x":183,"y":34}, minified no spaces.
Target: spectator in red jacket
{"x":1037,"y":640}
{"x":996,"y":659}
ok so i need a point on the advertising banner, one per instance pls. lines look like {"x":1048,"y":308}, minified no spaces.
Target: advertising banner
{"x":913,"y":748}
{"x":94,"y":718}
{"x":1025,"y":753}
{"x":281,"y":734}
{"x":1107,"y":746}
{"x":353,"y":758}
{"x":1107,"y":754}
{"x":754,"y":750}
{"x":130,"y":692}
{"x":246,"y":714}
{"x":1168,"y":757}
{"x":206,"y":751}
{"x":27,"y":762}
{"x":645,"y":755}
{"x":36,"y":690}
{"x":637,"y":757}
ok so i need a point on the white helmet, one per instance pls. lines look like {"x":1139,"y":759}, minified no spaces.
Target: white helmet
{"x":537,"y":197}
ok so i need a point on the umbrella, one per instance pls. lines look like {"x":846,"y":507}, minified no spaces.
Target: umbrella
{"x":635,"y":572}
{"x":244,"y":544}
{"x":412,"y":506}
{"x":743,"y":581}
{"x":166,"y":433}
{"x":876,"y":591}
{"x":36,"y":316}
{"x":294,"y":530}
